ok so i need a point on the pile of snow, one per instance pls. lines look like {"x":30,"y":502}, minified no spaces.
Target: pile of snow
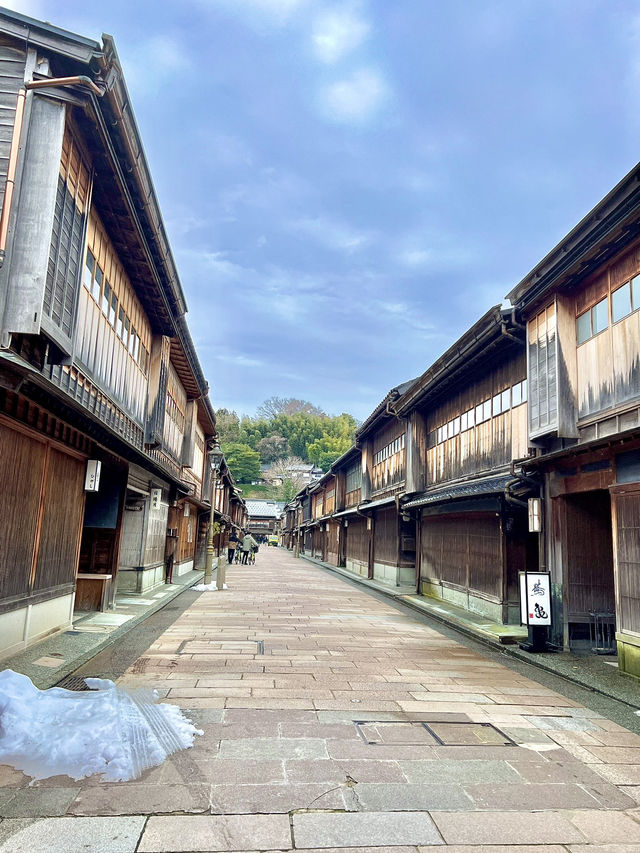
{"x":208,"y":587}
{"x":109,"y":730}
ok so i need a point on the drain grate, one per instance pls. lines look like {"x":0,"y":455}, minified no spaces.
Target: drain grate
{"x":434,"y":733}
{"x":73,"y":682}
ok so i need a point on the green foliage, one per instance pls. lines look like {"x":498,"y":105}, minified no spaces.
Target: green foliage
{"x":243,"y":462}
{"x":327,"y":449}
{"x":294,"y":428}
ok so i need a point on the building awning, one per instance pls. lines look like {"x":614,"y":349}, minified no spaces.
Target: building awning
{"x":353,"y":510}
{"x":375,"y":504}
{"x":469,"y":489}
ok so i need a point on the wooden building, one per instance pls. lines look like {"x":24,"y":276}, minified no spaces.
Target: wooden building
{"x":581,"y":304}
{"x":263,"y":517}
{"x":466,"y":435}
{"x":97,"y":366}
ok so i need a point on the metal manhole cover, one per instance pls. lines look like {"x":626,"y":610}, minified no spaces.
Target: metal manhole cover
{"x":434,"y":733}
{"x":73,"y":682}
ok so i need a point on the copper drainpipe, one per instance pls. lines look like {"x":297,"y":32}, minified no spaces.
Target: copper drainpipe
{"x":15,"y":144}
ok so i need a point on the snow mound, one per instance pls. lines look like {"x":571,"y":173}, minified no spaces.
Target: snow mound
{"x":110,"y":730}
{"x":208,"y":587}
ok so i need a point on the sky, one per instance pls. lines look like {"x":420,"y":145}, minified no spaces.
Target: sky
{"x":348,"y":186}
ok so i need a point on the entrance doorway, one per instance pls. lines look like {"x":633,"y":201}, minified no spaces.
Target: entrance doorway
{"x":588,"y":557}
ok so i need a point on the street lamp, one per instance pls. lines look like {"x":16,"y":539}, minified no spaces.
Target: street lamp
{"x":215,"y":460}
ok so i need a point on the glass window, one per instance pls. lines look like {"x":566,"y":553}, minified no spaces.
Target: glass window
{"x":402,"y":439}
{"x":471,"y":418}
{"x":621,"y":302}
{"x":106,"y":298}
{"x":97,"y":284}
{"x":456,"y":426}
{"x":524,"y":390}
{"x":136,"y":347}
{"x":479,"y":410}
{"x":113,"y":309}
{"x":463,"y":422}
{"x":120,"y":322}
{"x":600,"y":319}
{"x":132,"y":337}
{"x":516,"y":394}
{"x":635,"y":292}
{"x":486,"y":410}
{"x":497,"y":404}
{"x":506,"y":400}
{"x":88,"y":270}
{"x":583,"y":327}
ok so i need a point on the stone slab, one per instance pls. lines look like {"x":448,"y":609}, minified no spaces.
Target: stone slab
{"x":213,"y":833}
{"x":375,"y":797}
{"x":534,"y":796}
{"x":71,"y":835}
{"x":371,"y":829}
{"x":142,"y":799}
{"x":506,"y":828}
{"x":40,"y":802}
{"x":425,"y":772}
{"x":273,"y":748}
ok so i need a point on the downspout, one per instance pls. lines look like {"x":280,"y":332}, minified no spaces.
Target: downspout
{"x":15,"y":144}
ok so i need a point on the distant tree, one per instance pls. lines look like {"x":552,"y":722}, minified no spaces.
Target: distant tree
{"x":327,"y":449}
{"x":272,"y":447}
{"x":284,"y":471}
{"x":228,"y":425}
{"x":275,"y":406}
{"x":243,"y":462}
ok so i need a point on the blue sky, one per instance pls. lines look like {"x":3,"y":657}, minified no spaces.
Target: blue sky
{"x":349,"y":185}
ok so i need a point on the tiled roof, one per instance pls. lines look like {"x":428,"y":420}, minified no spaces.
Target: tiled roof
{"x":471,"y":488}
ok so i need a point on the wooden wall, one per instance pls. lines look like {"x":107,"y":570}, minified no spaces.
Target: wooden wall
{"x":626,"y":541}
{"x":357,"y":540}
{"x":487,"y":445}
{"x":388,"y":472}
{"x":464,"y":551}
{"x":386,"y":536}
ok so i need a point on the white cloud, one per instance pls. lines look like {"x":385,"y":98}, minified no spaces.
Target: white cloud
{"x":32,"y":8}
{"x":337,"y":32}
{"x":153,"y":61}
{"x":414,"y":257}
{"x":332,"y":234}
{"x":357,"y":98}
{"x":275,"y":11}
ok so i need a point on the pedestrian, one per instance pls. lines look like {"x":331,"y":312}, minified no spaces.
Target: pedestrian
{"x":248,"y":542}
{"x":232,"y":544}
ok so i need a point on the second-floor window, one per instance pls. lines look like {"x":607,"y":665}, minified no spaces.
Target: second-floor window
{"x":593,"y":321}
{"x":625,"y":299}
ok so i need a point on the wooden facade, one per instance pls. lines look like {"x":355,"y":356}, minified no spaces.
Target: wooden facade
{"x":96,"y":359}
{"x":582,"y":302}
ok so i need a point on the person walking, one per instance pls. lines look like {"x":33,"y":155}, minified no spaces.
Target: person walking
{"x":232,"y":544}
{"x":248,"y":542}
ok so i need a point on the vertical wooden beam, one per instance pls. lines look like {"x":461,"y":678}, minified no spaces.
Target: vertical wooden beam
{"x":366,"y":456}
{"x":158,"y":378}
{"x":416,"y":450}
{"x":189,"y":440}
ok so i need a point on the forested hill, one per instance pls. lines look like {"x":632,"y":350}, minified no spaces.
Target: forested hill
{"x":284,"y":433}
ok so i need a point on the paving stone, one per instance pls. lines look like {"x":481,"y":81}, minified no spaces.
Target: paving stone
{"x":534,"y":796}
{"x":425,"y":772}
{"x":274,"y":798}
{"x":615,"y":754}
{"x":386,"y":796}
{"x":567,"y":724}
{"x":41,"y":802}
{"x":499,"y":848}
{"x":506,"y":828}
{"x":332,"y":770}
{"x":607,"y":827}
{"x":71,"y":835}
{"x":273,"y":748}
{"x":142,"y":799}
{"x":371,"y":829}
{"x":619,"y":774}
{"x":215,"y":833}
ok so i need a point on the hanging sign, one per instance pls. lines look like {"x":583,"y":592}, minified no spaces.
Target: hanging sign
{"x":535,"y":598}
{"x":156,"y":498}
{"x":92,"y":477}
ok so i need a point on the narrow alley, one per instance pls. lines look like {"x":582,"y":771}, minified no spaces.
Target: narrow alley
{"x":333,"y":721}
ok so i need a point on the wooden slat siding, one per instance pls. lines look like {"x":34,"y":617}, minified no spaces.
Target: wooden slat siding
{"x":175,"y":413}
{"x":385,"y":540}
{"x":357,"y":545}
{"x":66,"y":252}
{"x":99,"y":349}
{"x":333,"y":543}
{"x":12,"y":66}
{"x":486,"y":446}
{"x":608,"y":364}
{"x":626,"y":538}
{"x":22,"y":463}
{"x":187,"y":529}
{"x":318,"y":504}
{"x":63,"y":510}
{"x":464,"y":551}
{"x":391,"y":471}
{"x":589,"y":554}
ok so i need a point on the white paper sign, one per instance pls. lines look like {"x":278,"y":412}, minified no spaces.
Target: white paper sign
{"x":535,"y":598}
{"x":92,"y":477}
{"x":156,"y":498}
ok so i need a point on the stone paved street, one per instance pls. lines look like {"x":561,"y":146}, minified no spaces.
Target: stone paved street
{"x":333,"y":721}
